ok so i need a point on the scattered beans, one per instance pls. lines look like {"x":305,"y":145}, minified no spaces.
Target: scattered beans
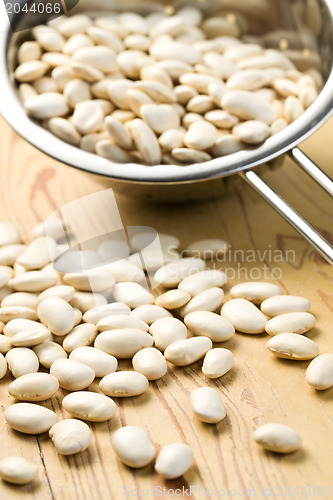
{"x":277,"y":437}
{"x":37,"y":300}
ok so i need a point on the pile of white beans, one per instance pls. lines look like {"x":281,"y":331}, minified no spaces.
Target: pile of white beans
{"x":167,"y":89}
{"x":65,"y":330}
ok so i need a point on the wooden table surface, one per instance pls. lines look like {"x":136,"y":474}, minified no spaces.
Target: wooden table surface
{"x":259,"y":389}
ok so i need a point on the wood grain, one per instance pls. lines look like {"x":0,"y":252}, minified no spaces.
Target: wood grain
{"x":259,"y":389}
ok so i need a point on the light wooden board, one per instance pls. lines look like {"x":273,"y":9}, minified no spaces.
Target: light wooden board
{"x":259,"y":389}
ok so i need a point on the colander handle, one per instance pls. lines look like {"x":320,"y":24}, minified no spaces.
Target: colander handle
{"x":300,"y":224}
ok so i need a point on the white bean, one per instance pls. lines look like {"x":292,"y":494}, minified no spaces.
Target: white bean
{"x":47,"y":105}
{"x":48,"y":352}
{"x":99,"y":361}
{"x":217,"y":362}
{"x":40,"y":252}
{"x":146,"y":141}
{"x":124,"y":384}
{"x":70,"y":436}
{"x":30,"y":71}
{"x":72,"y":375}
{"x":150,"y":313}
{"x":121,"y":321}
{"x":167,"y":330}
{"x":28,"y":51}
{"x":201,"y":135}
{"x":34,"y":387}
{"x":252,"y":131}
{"x":123,"y":343}
{"x":208,"y":300}
{"x":97,"y":313}
{"x":188,"y":351}
{"x":11,"y":312}
{"x":255,"y":291}
{"x":74,"y":24}
{"x":293,"y":346}
{"x":57,"y":314}
{"x":21,"y":361}
{"x":294,"y":322}
{"x":61,"y":291}
{"x":133,"y":446}
{"x":248,"y":106}
{"x":244,"y":316}
{"x":173,"y":273}
{"x":210,"y":325}
{"x":17,"y":470}
{"x":319,"y":373}
{"x":33,"y":281}
{"x":81,"y":335}
{"x":207,"y":405}
{"x":282,"y":304}
{"x":174,"y":460}
{"x":160,"y":117}
{"x":3,"y":366}
{"x":30,"y":418}
{"x":10,"y":253}
{"x":172,"y":299}
{"x":150,"y":362}
{"x":132,"y":294}
{"x":278,"y":438}
{"x":202,"y":280}
{"x":88,"y":117}
{"x":89,"y":406}
{"x":99,"y":57}
{"x":77,"y":41}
